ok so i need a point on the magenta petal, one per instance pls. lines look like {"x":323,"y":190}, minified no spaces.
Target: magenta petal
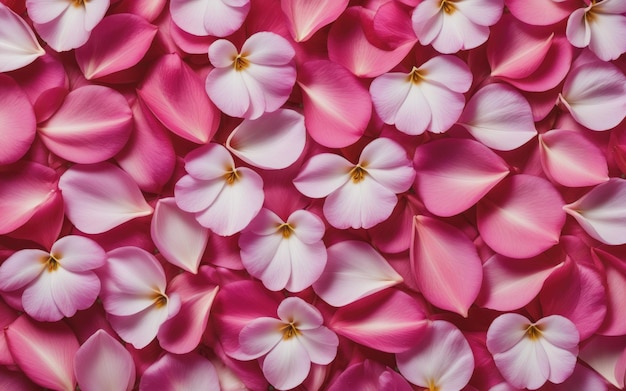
{"x":173,"y":372}
{"x":369,"y":375}
{"x":44,"y":351}
{"x":176,"y":96}
{"x":117,"y":43}
{"x":92,"y":125}
{"x":307,"y":17}
{"x":100,"y":197}
{"x":103,"y":364}
{"x":521,"y":217}
{"x":453,"y":174}
{"x":23,"y":190}
{"x":17,"y":120}
{"x":614,"y":284}
{"x":385,"y":321}
{"x":447,"y":268}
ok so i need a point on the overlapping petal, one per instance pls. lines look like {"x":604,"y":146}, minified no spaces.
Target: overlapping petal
{"x":18,"y":43}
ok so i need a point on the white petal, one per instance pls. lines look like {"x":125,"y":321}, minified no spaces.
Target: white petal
{"x":322,"y":174}
{"x":287,"y":365}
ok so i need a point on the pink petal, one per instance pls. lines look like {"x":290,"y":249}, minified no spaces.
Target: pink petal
{"x":446,"y":106}
{"x":334,"y":117}
{"x":176,"y":96}
{"x":23,"y":190}
{"x":182,"y":333}
{"x":578,"y":30}
{"x":94,"y":12}
{"x":16,"y":380}
{"x":509,"y":284}
{"x":614,"y":283}
{"x":100,"y":197}
{"x":307,"y":263}
{"x":525,"y":365}
{"x":607,"y":36}
{"x":295,"y":309}
{"x":499,"y":117}
{"x":210,"y":161}
{"x":601,"y":211}
{"x":55,"y":32}
{"x":78,"y":253}
{"x":307,"y":17}
{"x":559,"y":331}
{"x":272,"y":142}
{"x":19,"y":43}
{"x":117,"y":43}
{"x":228,"y":91}
{"x":521,"y":217}
{"x":354,"y":270}
{"x":540,"y":12}
{"x":92,"y":125}
{"x":209,"y":17}
{"x":595,"y":94}
{"x":260,"y":336}
{"x":269,"y":86}
{"x":38,"y":300}
{"x":392,"y":26}
{"x":453,"y":174}
{"x":603,"y":355}
{"x":74,"y":291}
{"x":322,"y":174}
{"x":45,"y":11}
{"x":173,"y":372}
{"x":222,"y":53}
{"x":387,"y":163}
{"x":506,"y":331}
{"x":148,"y":156}
{"x":308,"y":227}
{"x":266,"y":258}
{"x":320,"y":344}
{"x":21,"y":268}
{"x":147,"y":9}
{"x":348,"y":45}
{"x":368,"y":375}
{"x":449,"y":72}
{"x":178,"y":236}
{"x":267,"y":48}
{"x":103,"y":364}
{"x":447,"y":268}
{"x":141,"y":328}
{"x":44,"y":351}
{"x":441,"y":358}
{"x":287,"y":365}
{"x":458,"y":32}
{"x":560,"y":152}
{"x":193,"y":195}
{"x":45,"y":73}
{"x":384,"y":321}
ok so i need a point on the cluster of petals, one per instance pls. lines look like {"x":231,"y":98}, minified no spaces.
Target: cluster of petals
{"x":316,"y":195}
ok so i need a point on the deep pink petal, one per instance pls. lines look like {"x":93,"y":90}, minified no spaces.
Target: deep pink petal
{"x":354,"y":270}
{"x":101,"y":196}
{"x":521,"y":217}
{"x":335,"y":117}
{"x":17,"y":120}
{"x":384,"y":321}
{"x":447,"y":268}
{"x":499,"y":117}
{"x":273,"y":141}
{"x":541,"y":12}
{"x":44,"y":351}
{"x":453,"y":174}
{"x":392,"y":26}
{"x":21,"y":268}
{"x":92,"y":125}
{"x":174,"y":372}
{"x":176,"y":96}
{"x":117,"y":43}
{"x":307,"y":17}
{"x":178,"y":236}
{"x":103,"y":364}
{"x":614,"y":278}
{"x":322,"y":174}
{"x":441,"y":358}
{"x":367,"y":375}
{"x":19,"y":43}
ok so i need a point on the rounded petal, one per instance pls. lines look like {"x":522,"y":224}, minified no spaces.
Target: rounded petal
{"x":174,"y":372}
{"x":21,"y":268}
{"x":141,"y":328}
{"x":386,"y":161}
{"x":607,"y":36}
{"x":19,"y":45}
{"x":287,"y":365}
{"x":267,"y":48}
{"x":78,"y":253}
{"x":294,"y":309}
{"x":449,"y":72}
{"x":17,"y":119}
{"x":322,"y":174}
{"x":227,"y":89}
{"x":260,"y":336}
{"x":38,"y":300}
{"x":578,"y":31}
{"x":307,"y":263}
{"x":525,"y":365}
{"x":66,"y":31}
{"x":194,"y":195}
{"x":506,"y":331}
{"x":210,"y":161}
{"x":307,"y":226}
{"x":320,"y":344}
{"x":222,"y":53}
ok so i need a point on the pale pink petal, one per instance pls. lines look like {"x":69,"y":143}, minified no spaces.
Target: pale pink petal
{"x":260,"y":336}
{"x":275,"y":269}
{"x":354,"y":270}
{"x":44,"y":352}
{"x":21,"y":268}
{"x":335,"y":117}
{"x":38,"y":301}
{"x":559,"y":332}
{"x":66,"y":31}
{"x":349,"y":46}
{"x":583,"y":378}
{"x":578,"y":29}
{"x":210,"y":161}
{"x":176,"y":96}
{"x":307,"y":17}
{"x":611,"y":7}
{"x":222,"y":53}
{"x":453,"y":174}
{"x":441,"y":359}
{"x":42,"y":11}
{"x":320,"y":344}
{"x":307,"y":263}
{"x":446,"y":265}
{"x":541,"y":12}
{"x":266,"y":48}
{"x":227,"y":89}
{"x":561,"y":361}
{"x":92,"y":125}
{"x":18,"y":43}
{"x":182,"y":333}
{"x":322,"y":174}
{"x":23,"y":190}
{"x":269,"y":87}
{"x":193,"y":195}
{"x":386,"y":161}
{"x":102,"y":364}
{"x":118,"y":43}
{"x":189,"y":15}
{"x":521,"y":217}
{"x":308,"y":227}
{"x":141,"y":328}
{"x":449,"y":72}
{"x":224,"y":17}
{"x":384,"y":321}
{"x":74,"y":291}
{"x":236,"y":205}
{"x":287,"y":365}
{"x":603,"y":355}
{"x":525,"y":365}
{"x":295,"y":309}
{"x":445,"y":105}
{"x":175,"y":372}
{"x":607,"y":35}
{"x":149,"y":155}
{"x":499,"y":117}
{"x":509,"y":284}
{"x":273,"y":141}
{"x":101,"y":196}
{"x":482,"y":12}
{"x":78,"y":253}
{"x":427,"y":20}
{"x":178,"y":236}
{"x":601,"y":211}
{"x":359,"y":205}
{"x":94,"y":12}
{"x":595,"y":95}
{"x":459,"y":33}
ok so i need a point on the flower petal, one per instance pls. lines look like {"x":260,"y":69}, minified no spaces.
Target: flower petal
{"x":287,"y":365}
{"x":320,"y":344}
{"x":307,"y":17}
{"x":173,"y":372}
{"x":260,"y":336}
{"x":322,"y":174}
{"x":19,"y":46}
{"x":21,"y":268}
